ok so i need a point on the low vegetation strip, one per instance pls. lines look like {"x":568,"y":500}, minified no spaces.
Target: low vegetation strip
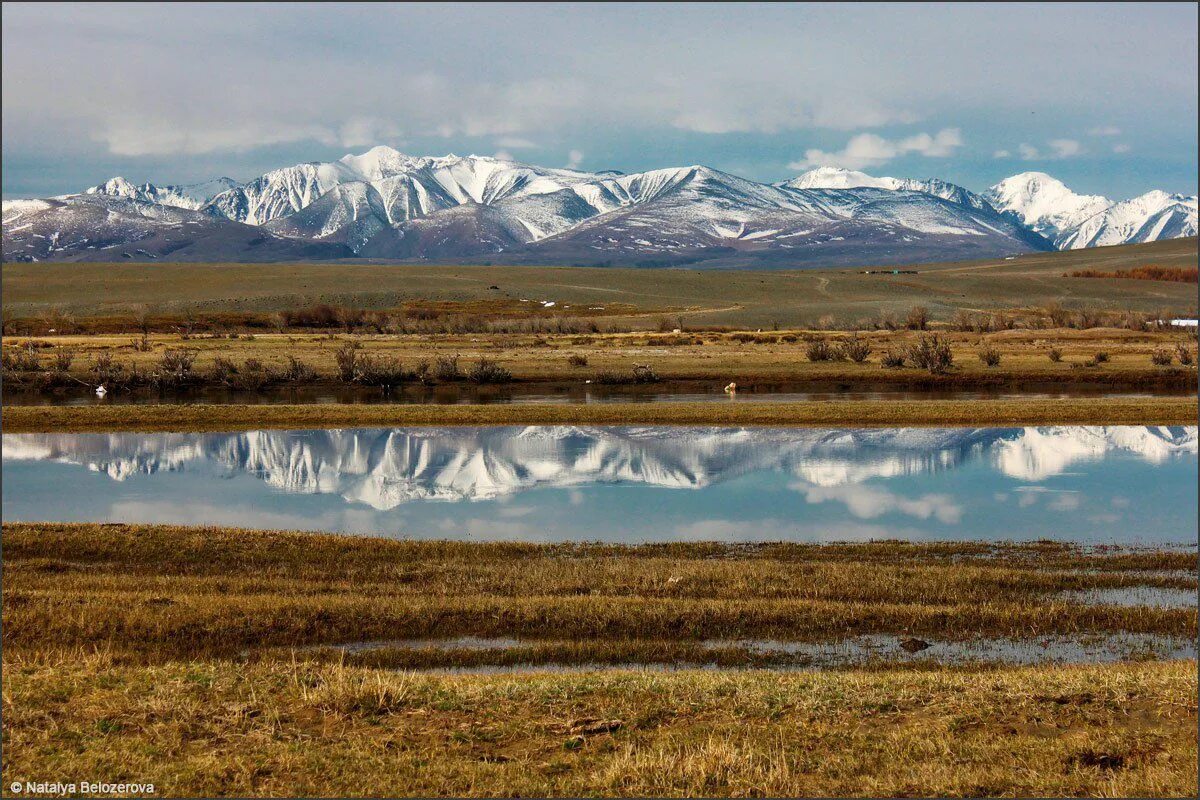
{"x":857,"y":413}
{"x":1148,"y":273}
{"x":219,"y":728}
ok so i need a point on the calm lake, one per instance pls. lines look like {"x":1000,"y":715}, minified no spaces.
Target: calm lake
{"x":1130,"y":485}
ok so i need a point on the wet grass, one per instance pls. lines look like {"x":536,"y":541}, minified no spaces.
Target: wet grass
{"x":169,"y":655}
{"x":213,"y":728}
{"x":153,"y":592}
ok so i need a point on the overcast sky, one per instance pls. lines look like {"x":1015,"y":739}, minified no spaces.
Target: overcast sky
{"x":1102,"y":96}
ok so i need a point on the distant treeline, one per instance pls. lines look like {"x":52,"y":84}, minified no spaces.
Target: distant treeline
{"x":1146,"y":273}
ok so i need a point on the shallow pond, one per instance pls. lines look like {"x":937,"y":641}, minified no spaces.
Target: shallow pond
{"x":1129,"y":485}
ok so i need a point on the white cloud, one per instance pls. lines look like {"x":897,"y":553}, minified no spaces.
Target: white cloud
{"x":1065,"y":502}
{"x":1059,"y":148}
{"x":503,"y":155}
{"x":1120,"y":148}
{"x":1001,"y":154}
{"x":866,"y":502}
{"x":869,"y":149}
{"x":514,"y":143}
{"x":574,"y":159}
{"x":367,"y":132}
{"x":1065,"y":148}
{"x":1105,"y":130}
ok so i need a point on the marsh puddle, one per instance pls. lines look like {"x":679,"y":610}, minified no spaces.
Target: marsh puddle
{"x":857,"y":651}
{"x":1126,"y":485}
{"x":1133,"y":596}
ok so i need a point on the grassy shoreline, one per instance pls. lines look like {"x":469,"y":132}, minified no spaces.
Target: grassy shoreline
{"x":121,"y":660}
{"x":857,"y":413}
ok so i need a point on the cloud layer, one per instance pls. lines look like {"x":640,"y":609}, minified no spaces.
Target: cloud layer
{"x":746,"y":88}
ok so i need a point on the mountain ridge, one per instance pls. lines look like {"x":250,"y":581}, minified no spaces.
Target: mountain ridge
{"x":386,"y":205}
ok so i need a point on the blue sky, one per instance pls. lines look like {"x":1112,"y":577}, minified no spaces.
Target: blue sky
{"x":1102,"y":96}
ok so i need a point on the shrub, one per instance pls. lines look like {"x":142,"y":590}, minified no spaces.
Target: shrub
{"x":1161,"y":357}
{"x":103,"y":368}
{"x":1101,"y":357}
{"x":349,"y":318}
{"x":855,"y":349}
{"x":65,"y":356}
{"x":818,"y":350}
{"x":576,"y":360}
{"x":175,"y":366}
{"x":21,"y":359}
{"x":641,"y":373}
{"x":385,"y":372}
{"x":1055,"y":354}
{"x":989,"y":356}
{"x":893,"y":359}
{"x":1058,"y":315}
{"x":445,"y":368}
{"x":487,"y":371}
{"x":346,"y":357}
{"x":1184,"y":354}
{"x":931,"y":352}
{"x":222,"y":370}
{"x":918,"y":318}
{"x":297,"y":371}
{"x":644,"y":374}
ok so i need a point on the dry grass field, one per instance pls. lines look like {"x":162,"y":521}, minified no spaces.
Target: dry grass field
{"x":769,"y":356}
{"x":169,"y":655}
{"x":216,"y":728}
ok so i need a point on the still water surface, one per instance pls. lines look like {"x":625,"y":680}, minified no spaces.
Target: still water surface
{"x":1131,"y":485}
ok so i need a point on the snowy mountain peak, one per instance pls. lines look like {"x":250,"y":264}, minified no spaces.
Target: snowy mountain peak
{"x":117,"y":187}
{"x":1074,"y":221}
{"x":193,"y":196}
{"x":1044,"y":203}
{"x":377,"y":163}
{"x":838,"y":178}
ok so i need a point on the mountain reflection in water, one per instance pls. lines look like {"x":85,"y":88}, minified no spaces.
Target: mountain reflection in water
{"x":597,"y":482}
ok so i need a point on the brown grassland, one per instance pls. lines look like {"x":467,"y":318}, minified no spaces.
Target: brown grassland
{"x":166,"y":654}
{"x":215,"y":728}
{"x":744,"y":299}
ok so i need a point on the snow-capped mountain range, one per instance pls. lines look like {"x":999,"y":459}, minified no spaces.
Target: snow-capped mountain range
{"x":383,"y":204}
{"x":1073,"y":221}
{"x":384,"y":468}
